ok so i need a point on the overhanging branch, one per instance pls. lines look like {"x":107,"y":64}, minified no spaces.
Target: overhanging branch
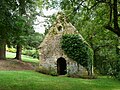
{"x":117,"y":32}
{"x":109,"y":28}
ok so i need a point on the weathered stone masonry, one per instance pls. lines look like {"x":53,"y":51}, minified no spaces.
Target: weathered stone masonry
{"x":52,"y":56}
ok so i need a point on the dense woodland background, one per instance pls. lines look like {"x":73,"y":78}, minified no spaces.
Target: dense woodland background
{"x":98,"y":21}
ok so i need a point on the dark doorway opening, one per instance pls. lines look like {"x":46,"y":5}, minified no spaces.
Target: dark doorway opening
{"x":61,"y":66}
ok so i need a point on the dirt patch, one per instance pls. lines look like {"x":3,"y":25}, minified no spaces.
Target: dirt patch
{"x":13,"y":64}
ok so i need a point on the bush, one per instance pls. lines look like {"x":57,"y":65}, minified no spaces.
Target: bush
{"x":43,"y":70}
{"x":32,"y":53}
{"x":13,"y":50}
{"x":78,"y":75}
{"x":48,"y":71}
{"x":115,"y":69}
{"x":118,"y":76}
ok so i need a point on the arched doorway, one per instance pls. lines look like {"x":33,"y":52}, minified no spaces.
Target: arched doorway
{"x":61,"y":66}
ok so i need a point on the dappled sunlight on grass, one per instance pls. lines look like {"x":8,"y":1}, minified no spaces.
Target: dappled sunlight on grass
{"x":31,"y":80}
{"x":24,"y":57}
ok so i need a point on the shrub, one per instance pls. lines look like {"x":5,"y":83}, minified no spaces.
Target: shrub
{"x":35,"y":55}
{"x":118,"y":76}
{"x":115,"y":69}
{"x":48,"y":71}
{"x":28,"y":52}
{"x":13,"y":50}
{"x":77,"y":75}
{"x":32,"y":53}
{"x":42,"y":70}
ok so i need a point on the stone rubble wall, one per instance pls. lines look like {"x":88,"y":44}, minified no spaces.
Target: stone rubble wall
{"x":51,"y":50}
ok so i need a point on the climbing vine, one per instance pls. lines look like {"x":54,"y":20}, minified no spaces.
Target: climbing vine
{"x":77,"y":49}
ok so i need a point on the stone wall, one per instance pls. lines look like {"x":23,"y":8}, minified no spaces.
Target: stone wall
{"x":51,"y":50}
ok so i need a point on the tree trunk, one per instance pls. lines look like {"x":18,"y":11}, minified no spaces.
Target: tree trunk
{"x":18,"y":52}
{"x":90,"y":63}
{"x":21,"y":12}
{"x":117,"y":44}
{"x":90,"y":69}
{"x":115,"y":20}
{"x":2,"y":50}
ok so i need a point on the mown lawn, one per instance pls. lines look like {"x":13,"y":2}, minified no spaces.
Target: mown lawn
{"x":30,"y":80}
{"x":24,"y":57}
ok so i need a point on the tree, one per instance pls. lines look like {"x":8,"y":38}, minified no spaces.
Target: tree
{"x":24,"y":24}
{"x":112,"y":6}
{"x":33,"y":40}
{"x":16,"y":20}
{"x":32,"y":43}
{"x":6,"y":24}
{"x":93,"y":18}
{"x":26,"y":10}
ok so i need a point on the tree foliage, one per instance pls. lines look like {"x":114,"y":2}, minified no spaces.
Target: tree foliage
{"x":98,"y":22}
{"x":110,"y":7}
{"x":16,"y":21}
{"x":33,"y":40}
{"x":6,"y":24}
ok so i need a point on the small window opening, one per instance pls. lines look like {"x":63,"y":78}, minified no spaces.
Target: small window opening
{"x":60,"y":28}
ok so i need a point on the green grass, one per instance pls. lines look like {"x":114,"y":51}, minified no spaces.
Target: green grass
{"x":30,"y":80}
{"x":24,"y":57}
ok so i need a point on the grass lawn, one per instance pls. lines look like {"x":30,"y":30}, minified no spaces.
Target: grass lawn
{"x":24,"y":57}
{"x":30,"y":80}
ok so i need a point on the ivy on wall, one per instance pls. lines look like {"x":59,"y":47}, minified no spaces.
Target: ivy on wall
{"x":77,"y":49}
